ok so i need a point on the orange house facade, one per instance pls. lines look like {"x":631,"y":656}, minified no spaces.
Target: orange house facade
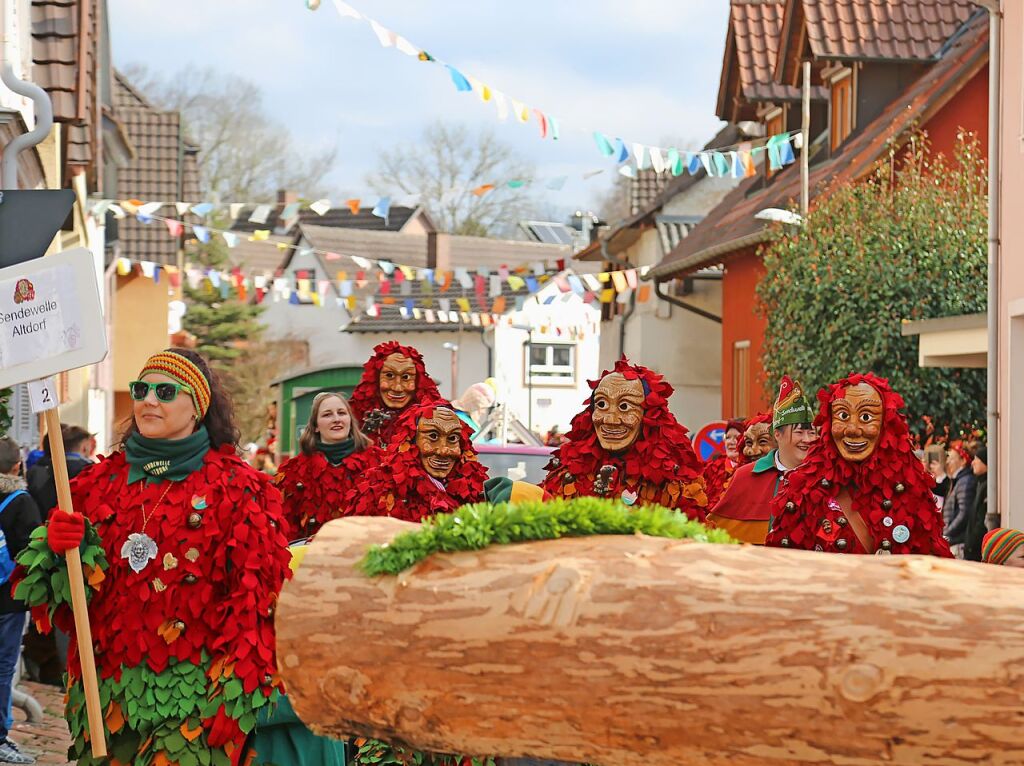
{"x":930,"y":75}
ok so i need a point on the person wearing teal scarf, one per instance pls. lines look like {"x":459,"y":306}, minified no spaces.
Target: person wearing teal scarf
{"x":333,"y":449}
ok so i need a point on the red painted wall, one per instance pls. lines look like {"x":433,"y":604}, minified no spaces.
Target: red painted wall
{"x":967,"y":110}
{"x":739,"y":322}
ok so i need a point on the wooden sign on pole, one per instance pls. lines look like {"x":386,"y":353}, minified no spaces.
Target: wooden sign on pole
{"x":51,"y":321}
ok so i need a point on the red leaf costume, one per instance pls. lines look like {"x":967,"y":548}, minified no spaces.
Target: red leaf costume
{"x":890,"y":490}
{"x":400,"y":487}
{"x":719,"y":469}
{"x":366,"y":397}
{"x":197,"y":620}
{"x":659,"y":468}
{"x":314,"y":490}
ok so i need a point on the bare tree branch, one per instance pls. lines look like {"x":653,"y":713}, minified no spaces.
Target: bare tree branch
{"x":446,"y":165}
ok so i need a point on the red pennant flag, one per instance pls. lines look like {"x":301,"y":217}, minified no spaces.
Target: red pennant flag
{"x":174,"y":228}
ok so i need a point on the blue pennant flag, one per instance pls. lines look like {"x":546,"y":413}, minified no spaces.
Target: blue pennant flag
{"x":461,"y":83}
{"x":621,"y":150}
{"x":202,"y":233}
{"x":383,"y":208}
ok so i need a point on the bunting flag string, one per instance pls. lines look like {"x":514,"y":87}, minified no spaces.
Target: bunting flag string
{"x":735,"y":161}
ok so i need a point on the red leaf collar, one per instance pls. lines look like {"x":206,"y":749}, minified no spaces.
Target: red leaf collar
{"x":366,"y":395}
{"x":661,"y":466}
{"x":890,"y":490}
{"x":399,"y":486}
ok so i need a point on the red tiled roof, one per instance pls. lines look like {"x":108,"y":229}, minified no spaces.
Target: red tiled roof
{"x":883,"y":29}
{"x":163,"y":168}
{"x":732,"y":226}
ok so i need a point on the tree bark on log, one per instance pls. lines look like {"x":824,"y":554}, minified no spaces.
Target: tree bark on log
{"x":625,"y":651}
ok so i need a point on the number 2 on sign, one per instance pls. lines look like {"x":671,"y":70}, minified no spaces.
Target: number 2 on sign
{"x":42,"y":394}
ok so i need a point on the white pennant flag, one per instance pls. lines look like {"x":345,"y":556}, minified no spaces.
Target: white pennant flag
{"x":406,"y":47}
{"x":360,"y":262}
{"x":260,"y":214}
{"x":657,"y":160}
{"x":347,"y":10}
{"x":384,"y":35}
{"x":321,"y":206}
{"x":181,"y":207}
{"x":235,"y":210}
{"x":705,"y":160}
{"x":640,"y":152}
{"x":502,"y":104}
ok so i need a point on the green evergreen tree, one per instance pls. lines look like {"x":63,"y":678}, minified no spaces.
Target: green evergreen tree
{"x":908,"y":243}
{"x":222,"y":324}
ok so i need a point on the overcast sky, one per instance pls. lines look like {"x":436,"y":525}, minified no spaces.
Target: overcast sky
{"x":646,"y":70}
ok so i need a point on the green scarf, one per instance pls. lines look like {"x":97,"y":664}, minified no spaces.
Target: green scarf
{"x":159,"y":459}
{"x":338,"y":451}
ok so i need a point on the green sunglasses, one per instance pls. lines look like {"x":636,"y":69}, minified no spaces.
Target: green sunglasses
{"x":165,"y":392}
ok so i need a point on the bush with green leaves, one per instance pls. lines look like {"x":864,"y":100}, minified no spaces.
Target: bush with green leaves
{"x":908,"y":243}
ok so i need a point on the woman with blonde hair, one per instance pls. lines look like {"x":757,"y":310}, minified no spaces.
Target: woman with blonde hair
{"x":333,"y":450}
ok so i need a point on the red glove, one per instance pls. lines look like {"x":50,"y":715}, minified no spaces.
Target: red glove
{"x":65,"y":530}
{"x":221,"y":729}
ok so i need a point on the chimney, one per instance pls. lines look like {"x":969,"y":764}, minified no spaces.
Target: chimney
{"x":285,"y":197}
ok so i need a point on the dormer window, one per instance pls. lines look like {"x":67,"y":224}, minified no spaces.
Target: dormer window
{"x":842,"y":101}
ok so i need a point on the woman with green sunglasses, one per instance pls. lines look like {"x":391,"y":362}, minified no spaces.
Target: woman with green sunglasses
{"x":185,"y":548}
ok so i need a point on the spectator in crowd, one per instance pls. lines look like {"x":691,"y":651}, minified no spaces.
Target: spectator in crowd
{"x":956,"y":508}
{"x":976,"y":522}
{"x":18,"y":517}
{"x":41,"y":483}
{"x":1003,"y":546}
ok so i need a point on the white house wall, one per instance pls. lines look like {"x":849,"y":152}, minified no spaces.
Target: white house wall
{"x":553,"y":405}
{"x":682,"y":346}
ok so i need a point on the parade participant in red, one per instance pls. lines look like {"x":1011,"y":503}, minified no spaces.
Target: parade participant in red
{"x":627,"y":444}
{"x":394,"y":379}
{"x":719,"y":469}
{"x":758,"y":437}
{"x":429,"y":467}
{"x":745,"y":509}
{"x":334,"y":452}
{"x":861,"y":490}
{"x":184,"y":551}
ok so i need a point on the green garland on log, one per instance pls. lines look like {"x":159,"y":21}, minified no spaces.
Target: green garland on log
{"x":480,"y":525}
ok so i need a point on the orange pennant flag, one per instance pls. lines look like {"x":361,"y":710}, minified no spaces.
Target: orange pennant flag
{"x":499,"y":305}
{"x":644,"y":293}
{"x":353,"y":205}
{"x":483,"y":189}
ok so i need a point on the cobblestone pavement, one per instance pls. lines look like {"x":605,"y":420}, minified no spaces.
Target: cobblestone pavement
{"x":48,"y":740}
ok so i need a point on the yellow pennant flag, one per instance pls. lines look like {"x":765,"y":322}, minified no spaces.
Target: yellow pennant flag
{"x":607,"y":296}
{"x":516,"y":283}
{"x":342,"y":276}
{"x":604,"y":276}
{"x":351,"y":302}
{"x":260,"y":235}
{"x":407,"y":272}
{"x":124,"y":267}
{"x":282,"y":246}
{"x":463,"y":304}
{"x":619,"y":280}
{"x":316,"y":299}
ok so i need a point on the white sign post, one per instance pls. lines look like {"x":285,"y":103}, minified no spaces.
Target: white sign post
{"x":51,"y":322}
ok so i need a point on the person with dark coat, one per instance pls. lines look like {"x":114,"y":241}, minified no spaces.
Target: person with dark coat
{"x":956,"y":509}
{"x":40,"y":479}
{"x":18,"y":517}
{"x":976,"y":528}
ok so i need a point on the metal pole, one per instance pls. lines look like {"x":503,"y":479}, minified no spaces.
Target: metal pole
{"x":994,"y":132}
{"x":805,"y":143}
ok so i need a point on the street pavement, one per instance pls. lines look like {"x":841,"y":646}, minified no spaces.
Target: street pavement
{"x":48,"y":740}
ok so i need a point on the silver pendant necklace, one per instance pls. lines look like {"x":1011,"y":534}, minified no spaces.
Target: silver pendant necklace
{"x":139,"y":549}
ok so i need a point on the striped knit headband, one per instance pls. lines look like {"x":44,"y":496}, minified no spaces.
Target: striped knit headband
{"x":999,"y":545}
{"x":184,"y":371}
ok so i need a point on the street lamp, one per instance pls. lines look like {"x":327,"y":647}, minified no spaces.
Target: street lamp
{"x":454,"y":348}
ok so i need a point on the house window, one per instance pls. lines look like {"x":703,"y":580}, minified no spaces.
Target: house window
{"x":774,"y":124}
{"x":741,"y":379}
{"x":842,"y":108}
{"x":551,"y":363}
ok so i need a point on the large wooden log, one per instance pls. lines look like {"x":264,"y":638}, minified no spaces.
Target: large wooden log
{"x":636,"y":650}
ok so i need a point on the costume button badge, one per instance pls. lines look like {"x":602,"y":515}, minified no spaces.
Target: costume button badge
{"x":887,"y":521}
{"x":886,"y":504}
{"x":191,"y":579}
{"x":195,"y":519}
{"x":900,"y":534}
{"x":178,"y":625}
{"x":841,"y":544}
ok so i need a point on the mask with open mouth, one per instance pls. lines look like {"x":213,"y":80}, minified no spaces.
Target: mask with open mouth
{"x":438,"y":441}
{"x":618,"y":411}
{"x":857,"y":422}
